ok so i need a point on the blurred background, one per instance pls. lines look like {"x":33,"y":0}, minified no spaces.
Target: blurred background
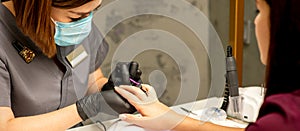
{"x":156,"y":62}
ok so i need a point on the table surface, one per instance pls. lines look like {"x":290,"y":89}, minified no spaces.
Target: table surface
{"x":197,"y":107}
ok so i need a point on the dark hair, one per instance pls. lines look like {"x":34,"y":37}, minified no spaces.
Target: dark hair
{"x":67,"y":4}
{"x":33,"y":18}
{"x":283,"y":68}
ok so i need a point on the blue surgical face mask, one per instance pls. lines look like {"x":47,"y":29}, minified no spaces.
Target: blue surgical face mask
{"x":72,"y":33}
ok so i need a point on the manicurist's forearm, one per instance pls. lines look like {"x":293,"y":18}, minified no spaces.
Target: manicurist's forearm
{"x":96,"y":81}
{"x":55,"y":121}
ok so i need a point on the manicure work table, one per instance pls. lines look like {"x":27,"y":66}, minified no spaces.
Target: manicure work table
{"x":196,"y":107}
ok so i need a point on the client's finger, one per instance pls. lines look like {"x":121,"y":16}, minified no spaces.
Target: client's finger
{"x":134,"y":119}
{"x":134,"y":90}
{"x":150,"y":90}
{"x":128,"y":95}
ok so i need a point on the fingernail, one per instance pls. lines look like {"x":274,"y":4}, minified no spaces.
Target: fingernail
{"x":122,"y":116}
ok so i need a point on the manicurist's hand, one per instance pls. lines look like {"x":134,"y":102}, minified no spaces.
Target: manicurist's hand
{"x":155,"y":115}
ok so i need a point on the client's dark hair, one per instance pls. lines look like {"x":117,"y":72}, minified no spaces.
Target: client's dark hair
{"x":283,"y":66}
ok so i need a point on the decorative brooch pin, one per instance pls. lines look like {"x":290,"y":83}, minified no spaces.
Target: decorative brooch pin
{"x":26,"y":53}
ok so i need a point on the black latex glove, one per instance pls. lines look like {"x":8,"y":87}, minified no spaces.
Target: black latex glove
{"x":125,"y":73}
{"x":108,"y":100}
{"x":104,"y":102}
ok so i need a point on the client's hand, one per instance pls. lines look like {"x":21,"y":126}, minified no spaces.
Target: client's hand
{"x":155,"y":115}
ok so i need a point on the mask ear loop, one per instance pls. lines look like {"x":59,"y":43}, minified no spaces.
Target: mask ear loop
{"x":53,"y":20}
